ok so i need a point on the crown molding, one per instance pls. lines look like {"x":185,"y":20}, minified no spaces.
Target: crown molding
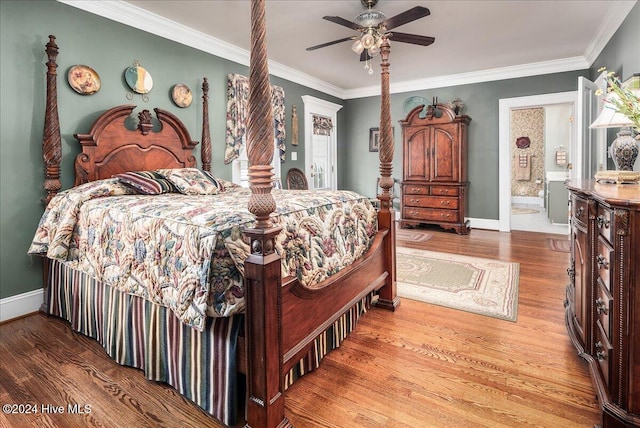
{"x":615,"y":16}
{"x":512,"y":72}
{"x":152,"y":23}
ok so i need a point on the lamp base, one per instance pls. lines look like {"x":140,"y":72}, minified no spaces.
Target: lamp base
{"x":619,"y":177}
{"x":624,"y":150}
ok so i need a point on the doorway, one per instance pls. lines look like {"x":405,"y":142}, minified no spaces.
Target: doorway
{"x":506,"y":153}
{"x":321,"y":149}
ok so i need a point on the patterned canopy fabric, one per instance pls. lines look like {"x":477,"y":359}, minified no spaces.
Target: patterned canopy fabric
{"x":237,"y":112}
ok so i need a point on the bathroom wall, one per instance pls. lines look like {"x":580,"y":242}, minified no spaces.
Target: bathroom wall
{"x":529,"y":122}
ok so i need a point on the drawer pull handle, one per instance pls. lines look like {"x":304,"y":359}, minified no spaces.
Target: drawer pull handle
{"x":600,"y":354}
{"x":602,"y":262}
{"x":413,"y":201}
{"x":445,"y":203}
{"x":580,"y":212}
{"x":601,"y":307}
{"x":602,"y":221}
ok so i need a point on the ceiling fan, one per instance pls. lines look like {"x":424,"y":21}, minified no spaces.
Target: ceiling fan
{"x":372,"y":25}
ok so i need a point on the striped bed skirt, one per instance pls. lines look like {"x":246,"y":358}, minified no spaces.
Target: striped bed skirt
{"x":200,"y":365}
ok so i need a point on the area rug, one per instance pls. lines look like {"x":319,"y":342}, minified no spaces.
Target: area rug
{"x":518,"y":210}
{"x":561,"y":245}
{"x":412,"y":235}
{"x":481,"y":286}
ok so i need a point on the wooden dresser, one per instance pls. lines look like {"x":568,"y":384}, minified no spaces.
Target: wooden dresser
{"x":434,"y":186}
{"x":603,"y":295}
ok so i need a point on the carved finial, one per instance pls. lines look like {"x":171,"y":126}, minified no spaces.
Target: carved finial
{"x":144,"y":124}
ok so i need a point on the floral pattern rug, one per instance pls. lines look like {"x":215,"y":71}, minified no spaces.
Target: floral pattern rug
{"x":481,"y":286}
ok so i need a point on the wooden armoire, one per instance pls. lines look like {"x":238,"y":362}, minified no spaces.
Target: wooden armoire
{"x":434,"y":186}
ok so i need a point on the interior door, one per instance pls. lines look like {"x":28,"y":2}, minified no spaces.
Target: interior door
{"x":320,"y":151}
{"x":322,"y":167}
{"x":590,"y":146}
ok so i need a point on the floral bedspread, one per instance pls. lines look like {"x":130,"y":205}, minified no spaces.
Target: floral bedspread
{"x":187,"y":252}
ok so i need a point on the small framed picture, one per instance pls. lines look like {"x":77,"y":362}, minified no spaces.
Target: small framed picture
{"x":374,"y":139}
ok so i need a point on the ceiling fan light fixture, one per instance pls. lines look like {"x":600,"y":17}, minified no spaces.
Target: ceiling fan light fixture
{"x":368,"y":40}
{"x":373,"y":50}
{"x":357,"y":47}
{"x":370,"y":18}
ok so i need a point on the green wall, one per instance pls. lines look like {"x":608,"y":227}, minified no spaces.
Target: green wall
{"x":108,"y":47}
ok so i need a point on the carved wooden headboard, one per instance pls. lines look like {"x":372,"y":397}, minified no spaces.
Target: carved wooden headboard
{"x":111,"y":147}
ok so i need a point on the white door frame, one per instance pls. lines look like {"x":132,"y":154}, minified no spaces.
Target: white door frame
{"x":317,"y":106}
{"x":504,"y":148}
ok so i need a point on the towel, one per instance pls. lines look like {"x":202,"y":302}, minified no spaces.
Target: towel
{"x":523,"y":168}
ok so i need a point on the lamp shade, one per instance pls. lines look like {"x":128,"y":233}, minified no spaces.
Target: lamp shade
{"x":610,"y":117}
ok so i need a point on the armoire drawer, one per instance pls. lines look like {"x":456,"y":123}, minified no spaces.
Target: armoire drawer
{"x":603,"y":306}
{"x":444,"y":191}
{"x":430,"y":202}
{"x":429,"y":214}
{"x":414,"y":189}
{"x":579,"y":209}
{"x":604,"y":255}
{"x":603,"y":354}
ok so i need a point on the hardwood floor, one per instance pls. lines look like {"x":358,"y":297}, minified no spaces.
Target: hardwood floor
{"x":421,"y":366}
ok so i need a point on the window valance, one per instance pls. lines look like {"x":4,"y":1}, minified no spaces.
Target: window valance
{"x":322,"y":125}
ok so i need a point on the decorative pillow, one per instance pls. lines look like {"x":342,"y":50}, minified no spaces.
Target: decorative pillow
{"x":190,"y":181}
{"x":146,"y":182}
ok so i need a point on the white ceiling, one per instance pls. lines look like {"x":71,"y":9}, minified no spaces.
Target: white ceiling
{"x":476,"y":40}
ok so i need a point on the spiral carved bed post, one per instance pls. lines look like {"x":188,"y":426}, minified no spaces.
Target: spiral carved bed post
{"x":51,"y":147}
{"x":205,"y":151}
{"x":263,"y":288}
{"x":388,"y":298}
{"x":51,"y":140}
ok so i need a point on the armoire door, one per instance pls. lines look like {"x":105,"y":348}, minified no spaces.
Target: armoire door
{"x":416,"y":159}
{"x":445,"y":154}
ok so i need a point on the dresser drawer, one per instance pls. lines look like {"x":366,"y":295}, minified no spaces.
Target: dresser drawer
{"x":603,"y":220}
{"x":603,"y":354}
{"x":604,"y":256}
{"x":414,"y":189}
{"x":429,"y":214}
{"x":430,"y":202}
{"x":444,"y":191}
{"x":603,"y":306}
{"x":579,"y":210}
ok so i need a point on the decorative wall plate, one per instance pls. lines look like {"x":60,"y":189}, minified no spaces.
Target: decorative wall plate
{"x":181,"y":95}
{"x":138,"y":79}
{"x":413,"y":102}
{"x":83,"y":79}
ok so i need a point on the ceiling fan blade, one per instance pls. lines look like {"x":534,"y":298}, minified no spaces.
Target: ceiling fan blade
{"x":405,"y":17}
{"x":412,"y":38}
{"x":343,"y":22}
{"x":364,"y":56}
{"x":344,"y":39}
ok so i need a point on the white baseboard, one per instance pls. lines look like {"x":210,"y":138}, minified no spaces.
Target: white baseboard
{"x":483,"y":223}
{"x":529,"y":200}
{"x":21,"y":304}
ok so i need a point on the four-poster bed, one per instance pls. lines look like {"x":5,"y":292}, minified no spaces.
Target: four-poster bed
{"x":286,"y":314}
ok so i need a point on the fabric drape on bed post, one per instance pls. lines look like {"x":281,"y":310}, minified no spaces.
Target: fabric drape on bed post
{"x":51,"y":147}
{"x":263,"y":289}
{"x":388,"y":298}
{"x":205,"y":150}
